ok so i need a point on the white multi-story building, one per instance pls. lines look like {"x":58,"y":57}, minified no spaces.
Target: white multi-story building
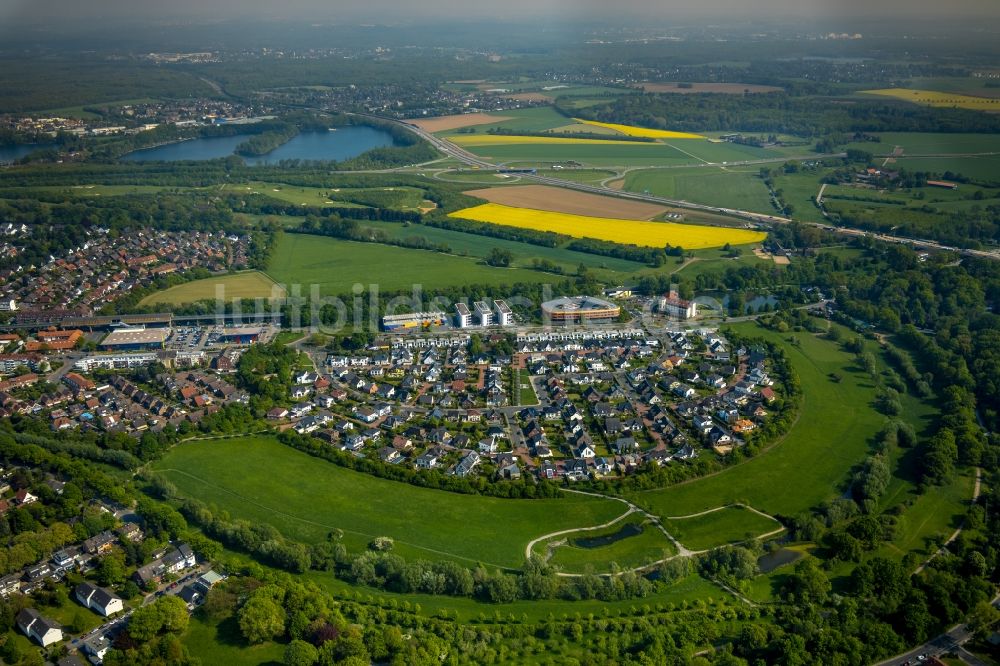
{"x":675,"y":306}
{"x":484,"y":314}
{"x":463,"y":317}
{"x":504,"y":316}
{"x":116,"y":361}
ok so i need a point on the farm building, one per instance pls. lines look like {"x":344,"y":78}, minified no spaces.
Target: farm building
{"x":570,"y":309}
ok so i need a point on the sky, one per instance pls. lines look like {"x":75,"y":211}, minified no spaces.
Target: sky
{"x":40,"y":11}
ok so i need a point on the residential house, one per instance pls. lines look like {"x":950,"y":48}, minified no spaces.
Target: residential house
{"x":43,"y":630}
{"x":98,"y":599}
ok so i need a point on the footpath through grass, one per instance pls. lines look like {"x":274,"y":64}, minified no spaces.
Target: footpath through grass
{"x":261,"y":480}
{"x":727,"y":525}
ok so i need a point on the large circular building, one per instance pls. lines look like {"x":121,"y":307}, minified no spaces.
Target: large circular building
{"x":575,"y":309}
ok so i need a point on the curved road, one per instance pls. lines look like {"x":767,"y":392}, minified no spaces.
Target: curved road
{"x":459,"y":153}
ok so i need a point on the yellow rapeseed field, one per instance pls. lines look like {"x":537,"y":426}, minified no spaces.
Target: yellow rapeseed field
{"x":646,"y":133}
{"x":505,"y":139}
{"x":635,"y":232}
{"x":939,"y":99}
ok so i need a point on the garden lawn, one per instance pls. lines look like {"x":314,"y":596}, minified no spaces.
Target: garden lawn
{"x":261,"y":480}
{"x":336,"y":265}
{"x":729,"y":524}
{"x":834,"y":431}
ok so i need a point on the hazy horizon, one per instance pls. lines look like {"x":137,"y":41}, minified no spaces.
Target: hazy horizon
{"x":25,"y":12}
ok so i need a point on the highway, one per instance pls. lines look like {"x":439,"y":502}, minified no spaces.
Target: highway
{"x":464,"y":156}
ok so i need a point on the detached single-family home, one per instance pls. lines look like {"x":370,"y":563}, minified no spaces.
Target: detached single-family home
{"x":39,"y":628}
{"x":98,"y":599}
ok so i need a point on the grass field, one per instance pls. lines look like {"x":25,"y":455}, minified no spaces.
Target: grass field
{"x":570,"y":554}
{"x":579,"y":175}
{"x":223,"y":643}
{"x":935,"y":513}
{"x":729,"y":524}
{"x":715,"y":261}
{"x":480,"y":246}
{"x":250,"y":284}
{"x":644,"y":132}
{"x":425,"y":523}
{"x":337,"y":265}
{"x":938,"y":99}
{"x":739,"y":189}
{"x":638,"y":232}
{"x":833,"y":432}
{"x":929,"y":143}
{"x":978,"y":168}
{"x":596,"y":153}
{"x":537,"y":119}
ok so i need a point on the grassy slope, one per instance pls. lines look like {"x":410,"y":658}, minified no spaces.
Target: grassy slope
{"x":251,"y":284}
{"x":306,"y":498}
{"x":223,"y":643}
{"x":336,"y":265}
{"x":728,"y":525}
{"x":812,"y":463}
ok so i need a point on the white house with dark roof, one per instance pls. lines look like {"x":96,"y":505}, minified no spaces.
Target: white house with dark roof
{"x":98,"y":599}
{"x":41,"y":629}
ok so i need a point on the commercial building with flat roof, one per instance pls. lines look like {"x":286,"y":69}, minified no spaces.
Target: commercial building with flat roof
{"x":413,"y":320}
{"x":241,"y":336}
{"x":135,"y":339}
{"x":576,"y":309}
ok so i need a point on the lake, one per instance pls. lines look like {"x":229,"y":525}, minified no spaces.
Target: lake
{"x":341,"y":144}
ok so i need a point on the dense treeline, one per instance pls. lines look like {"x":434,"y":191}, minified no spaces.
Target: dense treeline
{"x":782,"y":113}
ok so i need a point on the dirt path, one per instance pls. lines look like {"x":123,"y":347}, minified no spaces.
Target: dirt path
{"x":954,"y":535}
{"x":682,"y":550}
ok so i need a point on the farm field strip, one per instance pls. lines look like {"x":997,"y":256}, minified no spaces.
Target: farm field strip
{"x":474,"y":140}
{"x":938,"y":99}
{"x":574,"y":202}
{"x":643,"y":132}
{"x":457,"y":121}
{"x":638,"y":232}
